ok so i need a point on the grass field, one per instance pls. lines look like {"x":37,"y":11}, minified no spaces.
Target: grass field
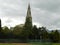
{"x":29,"y":43}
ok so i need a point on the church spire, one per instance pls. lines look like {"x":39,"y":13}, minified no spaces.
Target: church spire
{"x":28,"y":22}
{"x":29,"y":11}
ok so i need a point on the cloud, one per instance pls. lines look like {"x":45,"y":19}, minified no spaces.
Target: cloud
{"x":48,"y":12}
{"x":50,"y":5}
{"x":44,"y":12}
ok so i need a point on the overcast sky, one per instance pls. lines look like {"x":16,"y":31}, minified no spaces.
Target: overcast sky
{"x":44,"y":12}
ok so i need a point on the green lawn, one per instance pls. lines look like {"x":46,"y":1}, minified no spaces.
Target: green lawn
{"x":29,"y":43}
{"x":56,"y":44}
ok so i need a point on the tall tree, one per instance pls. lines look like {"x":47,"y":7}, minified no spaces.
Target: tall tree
{"x":0,"y":30}
{"x":0,"y":26}
{"x":56,"y":36}
{"x":39,"y":33}
{"x":44,"y":33}
{"x":35,"y":32}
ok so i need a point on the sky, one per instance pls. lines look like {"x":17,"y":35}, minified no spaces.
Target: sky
{"x":44,"y":12}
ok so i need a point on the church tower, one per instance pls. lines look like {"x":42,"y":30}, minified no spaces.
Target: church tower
{"x":28,"y":22}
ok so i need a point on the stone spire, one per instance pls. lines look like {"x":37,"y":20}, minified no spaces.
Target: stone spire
{"x":27,"y":28}
{"x":29,"y":11}
{"x":28,"y":22}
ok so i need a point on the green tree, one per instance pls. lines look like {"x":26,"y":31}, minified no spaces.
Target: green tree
{"x":39,"y":33}
{"x":0,"y":26}
{"x":17,"y":30}
{"x":5,"y":32}
{"x":44,"y":33}
{"x":56,"y":36}
{"x":35,"y":32}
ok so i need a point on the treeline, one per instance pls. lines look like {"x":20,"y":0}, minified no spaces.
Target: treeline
{"x":35,"y":33}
